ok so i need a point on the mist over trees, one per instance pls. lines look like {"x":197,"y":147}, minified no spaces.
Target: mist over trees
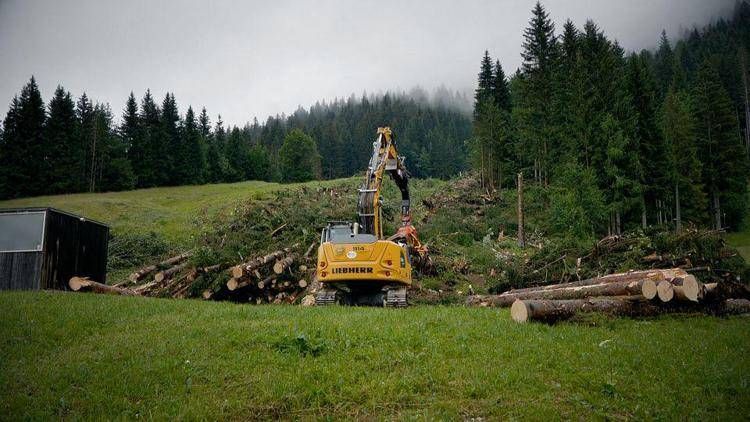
{"x":621,"y":140}
{"x":69,"y":145}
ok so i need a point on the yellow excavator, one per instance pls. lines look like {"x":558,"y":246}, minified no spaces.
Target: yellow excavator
{"x":356,"y":264}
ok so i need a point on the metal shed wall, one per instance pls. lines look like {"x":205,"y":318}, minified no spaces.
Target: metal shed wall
{"x":72,"y":246}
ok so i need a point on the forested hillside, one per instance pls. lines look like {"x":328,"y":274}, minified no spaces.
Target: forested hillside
{"x":72,"y":145}
{"x":621,"y":140}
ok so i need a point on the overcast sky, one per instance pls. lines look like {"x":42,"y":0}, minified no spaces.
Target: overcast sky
{"x":245,"y":59}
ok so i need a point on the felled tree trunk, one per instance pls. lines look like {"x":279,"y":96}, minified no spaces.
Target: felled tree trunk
{"x":656,"y":275}
{"x":283,"y":264}
{"x":145,"y":271}
{"x":645,"y":288}
{"x":169,"y":273}
{"x":735,"y":307}
{"x":84,"y":284}
{"x":687,"y":288}
{"x":557,"y":310}
{"x":249,"y":267}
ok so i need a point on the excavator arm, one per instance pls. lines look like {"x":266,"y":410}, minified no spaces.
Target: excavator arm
{"x":385,"y":159}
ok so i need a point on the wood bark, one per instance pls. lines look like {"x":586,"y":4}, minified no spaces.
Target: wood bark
{"x":644,"y":288}
{"x":85,"y":284}
{"x":557,"y":310}
{"x":735,"y":307}
{"x":145,"y":271}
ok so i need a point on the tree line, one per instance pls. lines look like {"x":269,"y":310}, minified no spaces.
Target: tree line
{"x":72,"y":145}
{"x":620,"y":140}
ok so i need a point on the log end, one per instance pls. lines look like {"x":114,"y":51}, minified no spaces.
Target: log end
{"x":207,"y":294}
{"x":77,"y":283}
{"x":278,"y":268}
{"x":237,"y":271}
{"x":648,"y":289}
{"x":691,"y":288}
{"x":232,"y":284}
{"x":159,"y":277}
{"x":665,"y":291}
{"x":519,"y":311}
{"x":302,"y":283}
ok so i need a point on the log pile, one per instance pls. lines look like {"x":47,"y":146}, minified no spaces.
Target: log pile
{"x":278,"y":277}
{"x":635,"y":293}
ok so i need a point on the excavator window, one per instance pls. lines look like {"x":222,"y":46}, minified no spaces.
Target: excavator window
{"x":343,"y":234}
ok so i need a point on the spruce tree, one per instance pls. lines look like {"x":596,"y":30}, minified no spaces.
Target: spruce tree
{"x":25,"y":155}
{"x":500,"y":91}
{"x":150,"y":170}
{"x":237,"y":156}
{"x":194,"y":156}
{"x":64,"y":149}
{"x":720,"y":149}
{"x":540,"y":58}
{"x":131,"y":132}
{"x":682,"y":164}
{"x":485,"y":82}
{"x":664,"y":65}
{"x":175,"y":154}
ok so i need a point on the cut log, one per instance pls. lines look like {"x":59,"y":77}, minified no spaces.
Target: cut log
{"x":207,"y":294}
{"x":302,"y":268}
{"x":643,"y":287}
{"x":665,"y":290}
{"x":145,"y":271}
{"x":687,"y":288}
{"x":283,"y":264}
{"x":84,"y":284}
{"x":252,"y":266}
{"x":169,"y":273}
{"x":266,"y":282}
{"x":735,"y":307}
{"x":302,"y":283}
{"x":557,"y":310}
{"x":656,"y":275}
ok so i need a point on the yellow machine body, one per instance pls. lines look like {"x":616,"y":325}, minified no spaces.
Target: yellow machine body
{"x":380,"y":261}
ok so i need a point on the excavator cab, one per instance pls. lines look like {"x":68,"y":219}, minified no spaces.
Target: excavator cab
{"x":356,"y":264}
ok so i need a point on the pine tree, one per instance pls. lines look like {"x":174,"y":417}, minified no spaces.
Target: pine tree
{"x":237,"y":156}
{"x":720,"y":149}
{"x":65,"y":151}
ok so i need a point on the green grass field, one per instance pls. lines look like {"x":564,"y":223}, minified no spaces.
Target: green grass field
{"x":170,"y":211}
{"x":100,"y":357}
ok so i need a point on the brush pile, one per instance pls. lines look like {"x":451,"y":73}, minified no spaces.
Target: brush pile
{"x":635,"y":293}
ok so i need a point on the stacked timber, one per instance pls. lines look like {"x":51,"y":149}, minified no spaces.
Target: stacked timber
{"x":277,"y":277}
{"x":635,"y":293}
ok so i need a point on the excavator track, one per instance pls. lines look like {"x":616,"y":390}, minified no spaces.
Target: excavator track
{"x":396,"y":298}
{"x":327,"y":297}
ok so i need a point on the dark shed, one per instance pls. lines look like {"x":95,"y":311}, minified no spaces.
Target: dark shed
{"x":42,"y":248}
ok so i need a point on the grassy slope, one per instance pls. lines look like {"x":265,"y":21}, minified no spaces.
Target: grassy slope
{"x":109,"y":357}
{"x":170,"y":211}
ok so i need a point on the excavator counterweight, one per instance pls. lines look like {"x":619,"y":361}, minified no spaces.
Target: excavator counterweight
{"x":357,"y":265}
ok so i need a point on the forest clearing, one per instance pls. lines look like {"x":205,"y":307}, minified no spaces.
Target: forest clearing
{"x":472,"y":212}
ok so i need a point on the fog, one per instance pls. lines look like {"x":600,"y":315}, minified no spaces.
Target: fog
{"x":245,"y":59}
